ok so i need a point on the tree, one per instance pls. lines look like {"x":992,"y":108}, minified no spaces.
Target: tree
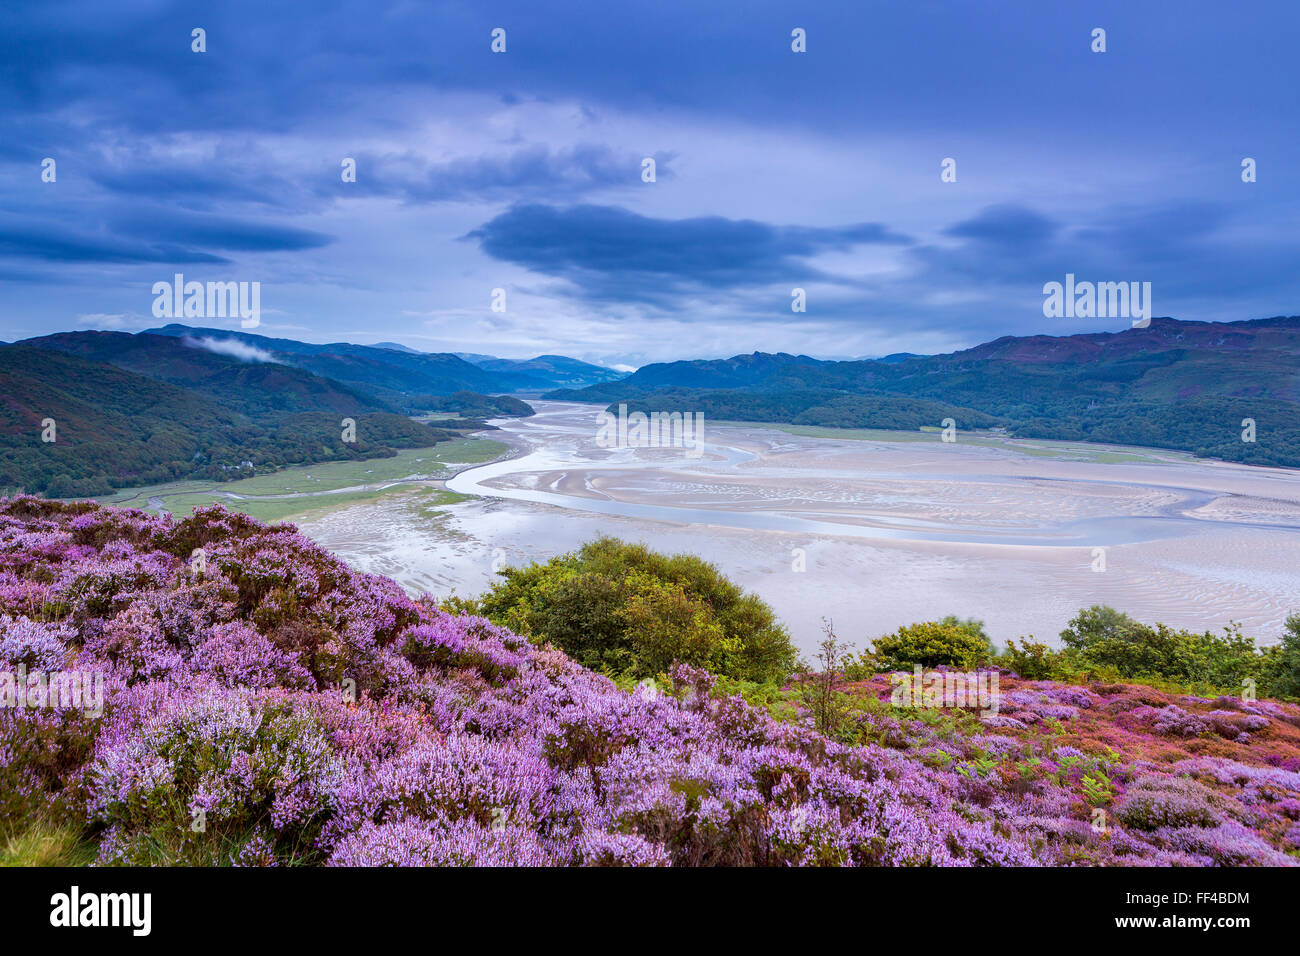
{"x":1281,"y":667}
{"x":818,"y":687}
{"x":623,"y":609}
{"x":933,"y":644}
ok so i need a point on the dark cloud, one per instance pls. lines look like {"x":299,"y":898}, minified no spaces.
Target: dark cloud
{"x":607,"y":249}
{"x":917,"y":66}
{"x":167,"y":156}
{"x":1008,"y":225}
{"x":1166,"y":230}
{"x":202,"y":182}
{"x":40,"y":241}
{"x":217,"y":232}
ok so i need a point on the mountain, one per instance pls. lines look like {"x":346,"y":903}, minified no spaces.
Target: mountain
{"x":470,"y":405}
{"x":111,"y":427}
{"x":212,"y":404}
{"x":385,"y":373}
{"x":552,"y":371}
{"x":1175,"y":384}
{"x":253,"y":388}
{"x":216,"y":418}
{"x":391,"y":372}
{"x":1164,"y":334}
{"x":1170,"y":359}
{"x":740,"y":371}
{"x":824,"y":407}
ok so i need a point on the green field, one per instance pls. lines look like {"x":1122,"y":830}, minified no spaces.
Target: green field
{"x":294,"y":492}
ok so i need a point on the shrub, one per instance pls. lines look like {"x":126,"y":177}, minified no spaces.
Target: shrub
{"x":933,"y":644}
{"x":1103,"y":638}
{"x":1031,"y":660}
{"x":623,"y":609}
{"x":818,"y":687}
{"x":191,"y":777}
{"x":1280,"y":668}
{"x":1173,"y":721}
{"x":971,"y":625}
{"x":229,"y":736}
{"x":1156,"y":802}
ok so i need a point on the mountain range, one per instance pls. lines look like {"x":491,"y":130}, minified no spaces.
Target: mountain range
{"x":180,"y":402}
{"x":390,"y":371}
{"x":1175,"y":384}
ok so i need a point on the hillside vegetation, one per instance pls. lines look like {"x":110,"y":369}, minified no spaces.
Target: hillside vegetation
{"x":115,"y":429}
{"x":1179,"y":385}
{"x":306,"y":714}
{"x":624,"y":610}
{"x":471,"y":405}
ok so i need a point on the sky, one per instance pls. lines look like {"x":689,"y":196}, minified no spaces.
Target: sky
{"x":522,"y":170}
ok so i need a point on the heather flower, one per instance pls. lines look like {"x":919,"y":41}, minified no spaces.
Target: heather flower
{"x":1176,"y":722}
{"x":1228,"y":844}
{"x":35,"y":645}
{"x":230,"y":759}
{"x":281,"y":708}
{"x":1155,"y":802}
{"x":1003,"y":722}
{"x":597,"y":848}
{"x":1292,"y":838}
{"x":414,"y":842}
{"x":235,"y":655}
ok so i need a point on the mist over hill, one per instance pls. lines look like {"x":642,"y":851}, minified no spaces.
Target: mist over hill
{"x":83,"y":413}
{"x":249,"y":382}
{"x":390,"y":370}
{"x":382,"y":372}
{"x":182,"y":402}
{"x":73,"y":428}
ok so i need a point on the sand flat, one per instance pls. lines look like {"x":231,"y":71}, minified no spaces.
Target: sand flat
{"x":886,"y":532}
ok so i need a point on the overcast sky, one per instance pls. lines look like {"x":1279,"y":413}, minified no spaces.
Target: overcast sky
{"x":522,"y":170}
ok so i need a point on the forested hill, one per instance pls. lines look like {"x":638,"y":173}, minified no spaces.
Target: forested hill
{"x":75,"y":427}
{"x":1175,"y":384}
{"x":390,"y":371}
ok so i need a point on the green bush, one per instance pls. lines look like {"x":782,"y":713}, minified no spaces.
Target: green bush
{"x":934,"y":644}
{"x":1280,"y":664}
{"x":1032,"y":660}
{"x":623,"y":609}
{"x":1101,"y":637}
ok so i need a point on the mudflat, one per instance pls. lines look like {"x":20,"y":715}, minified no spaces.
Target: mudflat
{"x":870,"y":531}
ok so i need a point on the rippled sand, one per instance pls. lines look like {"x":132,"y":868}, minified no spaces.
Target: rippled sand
{"x":887,"y":532}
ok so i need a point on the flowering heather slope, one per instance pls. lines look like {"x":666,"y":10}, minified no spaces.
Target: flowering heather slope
{"x":228,"y":735}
